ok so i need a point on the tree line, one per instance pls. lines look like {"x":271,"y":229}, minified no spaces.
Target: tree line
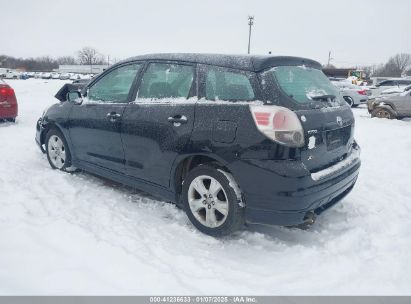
{"x":396,"y":66}
{"x":86,"y":56}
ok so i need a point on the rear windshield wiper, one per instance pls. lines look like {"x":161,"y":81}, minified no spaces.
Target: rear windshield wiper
{"x":323,"y":97}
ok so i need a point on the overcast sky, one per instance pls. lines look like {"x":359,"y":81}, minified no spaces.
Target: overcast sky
{"x":360,"y":32}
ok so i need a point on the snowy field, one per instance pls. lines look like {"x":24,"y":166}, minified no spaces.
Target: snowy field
{"x":78,"y":234}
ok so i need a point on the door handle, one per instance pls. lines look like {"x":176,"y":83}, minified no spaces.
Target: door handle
{"x":113,"y":116}
{"x":177,"y":120}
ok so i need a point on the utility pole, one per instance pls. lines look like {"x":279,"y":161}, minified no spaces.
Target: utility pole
{"x":329,"y":58}
{"x":250,"y":23}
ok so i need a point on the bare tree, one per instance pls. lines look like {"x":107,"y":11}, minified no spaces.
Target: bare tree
{"x":401,"y":62}
{"x":69,"y":60}
{"x":395,"y":67}
{"x":89,"y":56}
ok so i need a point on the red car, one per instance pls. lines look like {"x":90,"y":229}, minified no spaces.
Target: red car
{"x":8,"y":102}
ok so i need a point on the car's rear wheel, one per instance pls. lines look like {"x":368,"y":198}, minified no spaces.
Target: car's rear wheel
{"x":212,"y":201}
{"x":349,"y":100}
{"x":58,"y":153}
{"x":383,"y":113}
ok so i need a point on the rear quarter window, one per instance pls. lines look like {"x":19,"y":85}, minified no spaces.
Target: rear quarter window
{"x":228,"y":85}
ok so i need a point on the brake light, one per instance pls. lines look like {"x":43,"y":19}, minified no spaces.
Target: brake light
{"x":279,"y":124}
{"x":6,"y":92}
{"x":362,"y":92}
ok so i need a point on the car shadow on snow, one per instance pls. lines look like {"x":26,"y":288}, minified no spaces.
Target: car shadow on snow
{"x":333,"y":222}
{"x":5,"y":123}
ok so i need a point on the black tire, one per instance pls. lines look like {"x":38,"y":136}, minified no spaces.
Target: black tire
{"x":349,"y":100}
{"x":383,"y":113}
{"x":51,"y":135}
{"x":11,"y":119}
{"x":235,"y":214}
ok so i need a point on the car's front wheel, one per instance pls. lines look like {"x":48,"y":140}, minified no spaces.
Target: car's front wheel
{"x":212,"y":201}
{"x":57,"y":151}
{"x":383,"y":113}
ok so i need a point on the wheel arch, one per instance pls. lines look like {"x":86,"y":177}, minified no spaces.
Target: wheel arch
{"x":188,"y":162}
{"x":51,"y":124}
{"x":386,"y":106}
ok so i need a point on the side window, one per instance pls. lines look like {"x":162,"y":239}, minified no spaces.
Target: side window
{"x":387,"y":83}
{"x":404,"y":82}
{"x":114,"y":86}
{"x":223,"y":84}
{"x":166,"y":80}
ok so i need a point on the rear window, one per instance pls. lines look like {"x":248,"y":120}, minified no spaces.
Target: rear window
{"x":228,"y":85}
{"x":304,"y":84}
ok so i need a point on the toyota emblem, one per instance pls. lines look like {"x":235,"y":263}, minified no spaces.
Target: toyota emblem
{"x":339,"y":121}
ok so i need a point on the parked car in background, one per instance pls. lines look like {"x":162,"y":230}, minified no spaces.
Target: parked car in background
{"x":11,"y":75}
{"x":389,"y":84}
{"x":65,"y":76}
{"x":24,"y":76}
{"x":395,"y":91}
{"x":391,"y":106}
{"x":354,"y":95}
{"x":55,"y":76}
{"x":46,"y":75}
{"x":75,"y":77}
{"x":232,"y":139}
{"x":8,"y":102}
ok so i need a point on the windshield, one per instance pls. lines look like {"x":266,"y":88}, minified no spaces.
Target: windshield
{"x":305,"y":84}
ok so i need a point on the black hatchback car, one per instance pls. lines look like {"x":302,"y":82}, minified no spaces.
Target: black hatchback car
{"x":232,"y":139}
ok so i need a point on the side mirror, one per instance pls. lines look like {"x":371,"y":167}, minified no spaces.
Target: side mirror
{"x":75,"y":97}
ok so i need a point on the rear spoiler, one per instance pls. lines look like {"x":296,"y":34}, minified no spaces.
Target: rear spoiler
{"x":68,"y":87}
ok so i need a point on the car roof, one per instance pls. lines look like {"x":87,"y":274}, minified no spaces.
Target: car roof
{"x":254,"y":63}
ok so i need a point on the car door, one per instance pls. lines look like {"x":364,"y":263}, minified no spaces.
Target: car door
{"x":95,"y":124}
{"x":403,"y":104}
{"x":157,"y":125}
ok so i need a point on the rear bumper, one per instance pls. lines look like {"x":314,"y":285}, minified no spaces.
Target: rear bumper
{"x":8,"y":111}
{"x":286,"y":196}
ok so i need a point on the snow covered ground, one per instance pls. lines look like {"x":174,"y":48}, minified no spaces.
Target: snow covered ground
{"x":77,"y":234}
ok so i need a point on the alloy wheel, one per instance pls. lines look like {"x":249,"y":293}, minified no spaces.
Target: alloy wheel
{"x":383,"y":114}
{"x":56,"y":151}
{"x":208,"y":201}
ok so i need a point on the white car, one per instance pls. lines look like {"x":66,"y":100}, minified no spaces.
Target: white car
{"x":389,"y":84}
{"x":65,"y":76}
{"x":12,"y":75}
{"x":74,"y":77}
{"x":395,"y":91}
{"x":354,"y":95}
{"x":55,"y":76}
{"x":46,"y":75}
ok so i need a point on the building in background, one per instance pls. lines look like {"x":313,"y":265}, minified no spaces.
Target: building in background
{"x":82,"y":69}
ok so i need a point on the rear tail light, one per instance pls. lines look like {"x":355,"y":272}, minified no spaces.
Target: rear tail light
{"x":279,"y":124}
{"x":362,"y":92}
{"x":7,"y":93}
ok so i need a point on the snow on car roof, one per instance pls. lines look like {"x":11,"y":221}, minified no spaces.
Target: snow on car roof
{"x":245,"y":62}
